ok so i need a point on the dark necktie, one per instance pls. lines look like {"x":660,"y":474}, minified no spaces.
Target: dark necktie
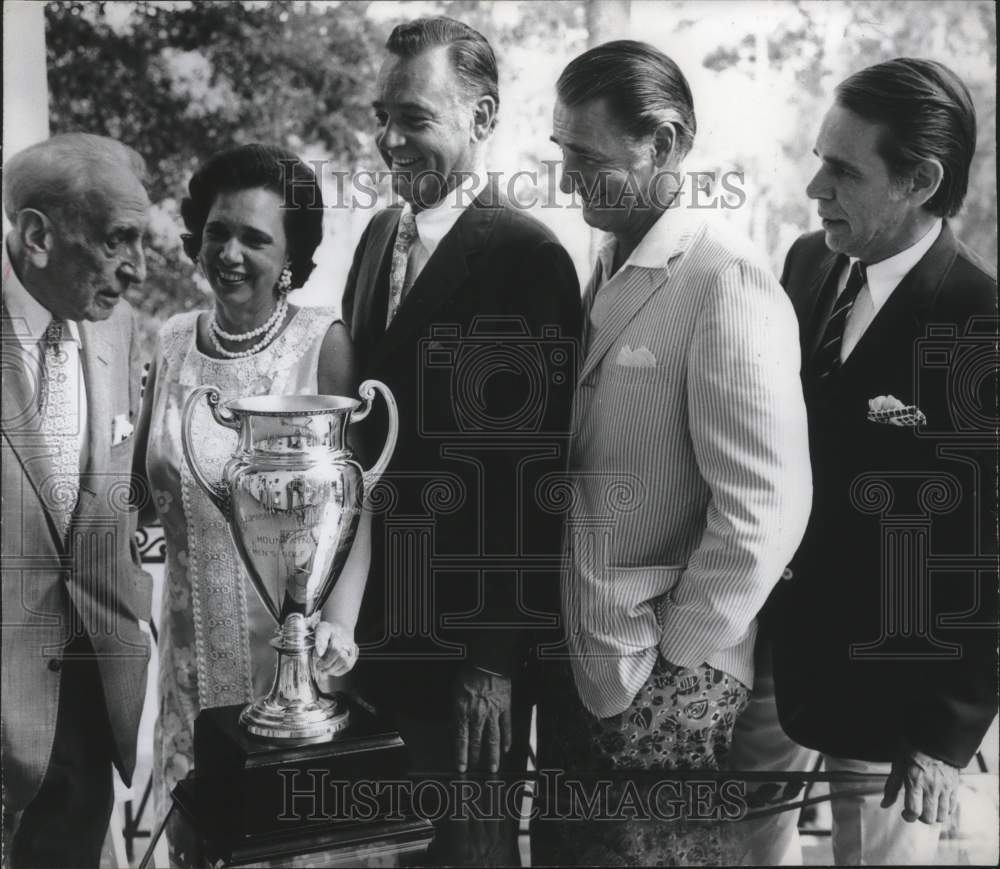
{"x":826,"y":360}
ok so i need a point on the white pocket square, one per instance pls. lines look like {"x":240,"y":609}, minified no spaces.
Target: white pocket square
{"x":889,"y":410}
{"x":121,"y":429}
{"x":638,"y":358}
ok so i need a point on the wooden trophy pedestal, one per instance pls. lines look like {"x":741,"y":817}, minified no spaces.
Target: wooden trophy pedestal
{"x":253,"y":799}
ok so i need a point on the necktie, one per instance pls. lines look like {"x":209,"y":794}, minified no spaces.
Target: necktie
{"x":826,"y":361}
{"x":406,"y":234}
{"x":60,"y":420}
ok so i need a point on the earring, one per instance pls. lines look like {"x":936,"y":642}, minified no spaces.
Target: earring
{"x":285,"y":280}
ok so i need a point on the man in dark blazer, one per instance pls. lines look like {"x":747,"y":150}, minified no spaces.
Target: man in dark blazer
{"x":468,"y":309}
{"x":884,"y":636}
{"x":74,"y":656}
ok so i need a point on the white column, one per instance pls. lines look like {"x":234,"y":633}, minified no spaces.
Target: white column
{"x":25,"y":86}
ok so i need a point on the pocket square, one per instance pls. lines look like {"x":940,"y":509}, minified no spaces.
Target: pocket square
{"x":638,"y":358}
{"x":889,"y":410}
{"x":121,"y":429}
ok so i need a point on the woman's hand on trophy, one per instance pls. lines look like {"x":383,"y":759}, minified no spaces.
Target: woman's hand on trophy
{"x":335,"y":652}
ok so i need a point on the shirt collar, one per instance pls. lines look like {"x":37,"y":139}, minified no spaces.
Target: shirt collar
{"x":29,"y":318}
{"x":883,"y":277}
{"x":658,"y":246}
{"x":434,"y":223}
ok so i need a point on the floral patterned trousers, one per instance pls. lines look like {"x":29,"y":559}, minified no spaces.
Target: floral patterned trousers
{"x":681,"y":719}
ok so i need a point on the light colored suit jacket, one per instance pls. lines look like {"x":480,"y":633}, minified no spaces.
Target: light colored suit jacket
{"x":690,"y":461}
{"x":52,"y":590}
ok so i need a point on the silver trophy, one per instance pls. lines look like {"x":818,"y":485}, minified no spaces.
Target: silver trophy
{"x":292,"y":495}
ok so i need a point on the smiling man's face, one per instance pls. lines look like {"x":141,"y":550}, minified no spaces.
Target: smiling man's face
{"x":426,"y":122}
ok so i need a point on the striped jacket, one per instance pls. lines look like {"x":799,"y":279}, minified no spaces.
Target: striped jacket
{"x":690,"y":461}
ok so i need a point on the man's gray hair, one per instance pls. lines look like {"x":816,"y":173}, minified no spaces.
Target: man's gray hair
{"x":59,"y":176}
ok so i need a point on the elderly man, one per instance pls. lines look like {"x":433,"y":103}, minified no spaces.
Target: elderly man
{"x":689,"y":457}
{"x":74,"y":657}
{"x":468,"y":309}
{"x":883,"y":659}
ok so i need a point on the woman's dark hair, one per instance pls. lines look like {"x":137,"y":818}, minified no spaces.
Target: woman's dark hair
{"x":927,"y":113}
{"x":470,"y":54}
{"x":245,"y":167}
{"x":644,"y":88}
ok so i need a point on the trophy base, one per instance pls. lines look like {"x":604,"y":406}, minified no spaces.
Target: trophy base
{"x":332,"y":844}
{"x":257,"y":787}
{"x":314,"y":722}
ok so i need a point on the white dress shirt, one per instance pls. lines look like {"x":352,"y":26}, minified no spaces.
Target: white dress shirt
{"x":434,"y":223}
{"x":881,"y":279}
{"x":655,"y":250}
{"x":28,"y":320}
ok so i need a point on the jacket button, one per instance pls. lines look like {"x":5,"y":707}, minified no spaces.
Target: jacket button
{"x":55,"y":665}
{"x":787,"y":573}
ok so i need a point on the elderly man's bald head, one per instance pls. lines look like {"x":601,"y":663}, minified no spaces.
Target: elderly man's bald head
{"x":62,"y":175}
{"x":78,"y":209}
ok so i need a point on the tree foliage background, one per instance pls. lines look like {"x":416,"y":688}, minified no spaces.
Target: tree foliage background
{"x":179,"y":80}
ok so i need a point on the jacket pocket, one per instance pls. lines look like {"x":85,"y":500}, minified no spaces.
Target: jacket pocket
{"x":634,"y":375}
{"x":622,"y":604}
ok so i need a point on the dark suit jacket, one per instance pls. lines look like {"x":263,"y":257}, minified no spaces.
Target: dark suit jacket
{"x":480,"y":357}
{"x":53,"y":593}
{"x":886,"y":632}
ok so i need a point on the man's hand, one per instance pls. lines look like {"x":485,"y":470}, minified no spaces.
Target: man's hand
{"x":481,"y":718}
{"x":335,"y":652}
{"x":931,"y":787}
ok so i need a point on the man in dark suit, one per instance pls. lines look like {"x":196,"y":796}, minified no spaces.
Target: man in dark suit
{"x":468,"y":310}
{"x":884,"y":637}
{"x":74,"y":657}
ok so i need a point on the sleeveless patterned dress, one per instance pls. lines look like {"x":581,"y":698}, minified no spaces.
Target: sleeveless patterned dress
{"x":213,"y":629}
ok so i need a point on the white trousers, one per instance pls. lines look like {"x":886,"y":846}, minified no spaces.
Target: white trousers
{"x":864,"y":834}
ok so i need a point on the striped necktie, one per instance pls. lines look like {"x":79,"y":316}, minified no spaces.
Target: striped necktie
{"x":826,"y":360}
{"x":406,"y":234}
{"x":60,"y":424}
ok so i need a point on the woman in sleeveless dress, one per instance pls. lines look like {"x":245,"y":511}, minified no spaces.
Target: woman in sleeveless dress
{"x":214,"y":632}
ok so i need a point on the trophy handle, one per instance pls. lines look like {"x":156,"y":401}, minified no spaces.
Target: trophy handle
{"x":367,"y":392}
{"x":218,"y":495}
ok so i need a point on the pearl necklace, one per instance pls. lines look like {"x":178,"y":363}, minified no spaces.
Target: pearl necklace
{"x":277,"y":314}
{"x":268,"y":331}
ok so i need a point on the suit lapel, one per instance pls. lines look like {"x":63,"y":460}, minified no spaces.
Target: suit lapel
{"x":20,"y":396}
{"x":587,"y":305}
{"x":21,"y":414}
{"x":374,"y":280}
{"x":635,"y":285}
{"x":441,"y":277}
{"x":97,"y":356}
{"x":819,"y":300}
{"x":638,"y":285}
{"x":22,"y":422}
